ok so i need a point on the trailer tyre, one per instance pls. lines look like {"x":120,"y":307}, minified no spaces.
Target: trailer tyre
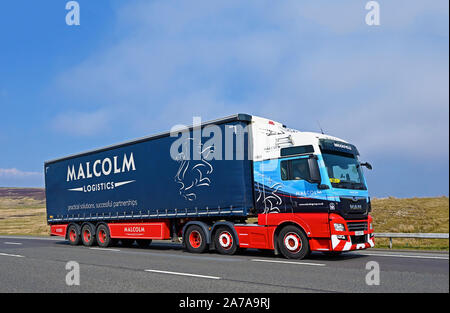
{"x":88,"y":235}
{"x":195,"y":239}
{"x":293,"y":242}
{"x":225,"y":241}
{"x":103,"y":236}
{"x":73,"y":234}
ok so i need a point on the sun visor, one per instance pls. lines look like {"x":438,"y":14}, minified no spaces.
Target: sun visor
{"x":337,"y":146}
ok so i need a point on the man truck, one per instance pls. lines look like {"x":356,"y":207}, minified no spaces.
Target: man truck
{"x":202,"y":184}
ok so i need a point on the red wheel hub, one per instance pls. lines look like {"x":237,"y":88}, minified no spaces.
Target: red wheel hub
{"x":195,"y":239}
{"x":102,"y":236}
{"x":225,"y":240}
{"x":72,"y":235}
{"x":292,"y":242}
{"x":87,"y":235}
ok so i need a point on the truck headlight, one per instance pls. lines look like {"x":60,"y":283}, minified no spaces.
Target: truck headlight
{"x":339,"y":227}
{"x":371,"y":226}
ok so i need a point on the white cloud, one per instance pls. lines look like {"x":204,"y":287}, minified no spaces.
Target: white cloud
{"x":13,"y":177}
{"x":389,"y":102}
{"x":385,"y":89}
{"x":13,"y":172}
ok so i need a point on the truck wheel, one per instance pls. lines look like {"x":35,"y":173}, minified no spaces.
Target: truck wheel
{"x":87,"y":235}
{"x":144,"y":243}
{"x":195,"y":239}
{"x":293,"y":243}
{"x":225,"y":241}
{"x":103,"y":236}
{"x":73,"y":234}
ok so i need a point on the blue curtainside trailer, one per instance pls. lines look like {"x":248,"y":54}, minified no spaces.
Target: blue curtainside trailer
{"x":141,"y":179}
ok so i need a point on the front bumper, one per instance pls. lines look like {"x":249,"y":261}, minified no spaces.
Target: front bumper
{"x":349,"y":239}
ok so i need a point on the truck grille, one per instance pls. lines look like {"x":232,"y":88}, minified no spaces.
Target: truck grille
{"x":358,"y":239}
{"x":357,"y":226}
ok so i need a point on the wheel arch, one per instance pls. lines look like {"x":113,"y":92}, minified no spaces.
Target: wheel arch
{"x":230,"y":225}
{"x":280,"y":227}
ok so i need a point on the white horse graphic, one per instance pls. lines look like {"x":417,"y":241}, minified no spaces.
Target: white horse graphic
{"x":193,"y":174}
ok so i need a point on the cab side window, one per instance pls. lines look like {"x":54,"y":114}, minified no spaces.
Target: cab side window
{"x":297,"y":169}
{"x":300,"y":169}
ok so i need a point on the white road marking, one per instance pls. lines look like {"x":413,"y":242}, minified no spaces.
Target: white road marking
{"x":406,"y":256}
{"x":183,"y":274}
{"x":12,"y":243}
{"x":14,"y":255}
{"x":105,"y":249}
{"x":288,"y":262}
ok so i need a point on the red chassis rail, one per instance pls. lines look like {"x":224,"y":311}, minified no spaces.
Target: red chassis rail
{"x":318,"y":228}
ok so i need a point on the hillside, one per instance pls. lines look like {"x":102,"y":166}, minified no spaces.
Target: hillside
{"x":412,"y":215}
{"x":22,"y":212}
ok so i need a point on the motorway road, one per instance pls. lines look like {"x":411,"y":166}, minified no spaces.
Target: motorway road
{"x":34,"y":264}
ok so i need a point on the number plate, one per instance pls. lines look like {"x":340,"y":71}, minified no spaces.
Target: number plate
{"x":359,"y":233}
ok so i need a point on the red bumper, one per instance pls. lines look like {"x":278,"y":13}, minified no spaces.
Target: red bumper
{"x":350,"y":239}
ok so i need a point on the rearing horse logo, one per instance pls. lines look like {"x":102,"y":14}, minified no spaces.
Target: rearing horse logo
{"x":193,"y":174}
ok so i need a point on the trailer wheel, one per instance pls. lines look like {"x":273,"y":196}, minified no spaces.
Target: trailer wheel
{"x":224,"y":241}
{"x":293,"y":242}
{"x":103,"y":236}
{"x":195,"y":239}
{"x":87,"y":235}
{"x":73,"y":234}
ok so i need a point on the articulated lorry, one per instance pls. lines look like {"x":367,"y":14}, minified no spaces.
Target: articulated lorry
{"x":201,"y":185}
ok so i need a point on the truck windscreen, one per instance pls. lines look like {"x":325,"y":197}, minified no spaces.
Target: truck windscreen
{"x":344,"y":170}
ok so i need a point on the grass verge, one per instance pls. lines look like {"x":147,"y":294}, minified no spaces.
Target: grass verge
{"x":22,"y":212}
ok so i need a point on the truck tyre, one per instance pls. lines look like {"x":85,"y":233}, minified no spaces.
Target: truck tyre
{"x":224,"y":241}
{"x":73,"y":234}
{"x":103,"y":236}
{"x":195,"y":239}
{"x":293,"y":243}
{"x":143,"y":243}
{"x":88,"y":235}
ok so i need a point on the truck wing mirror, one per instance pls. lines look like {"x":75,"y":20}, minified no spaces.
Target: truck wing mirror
{"x":314,"y":170}
{"x":367,"y":164}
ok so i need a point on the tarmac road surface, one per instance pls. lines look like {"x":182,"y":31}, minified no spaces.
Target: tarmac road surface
{"x":38,"y":264}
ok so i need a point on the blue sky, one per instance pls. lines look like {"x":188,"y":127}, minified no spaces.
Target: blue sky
{"x":133,"y":68}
